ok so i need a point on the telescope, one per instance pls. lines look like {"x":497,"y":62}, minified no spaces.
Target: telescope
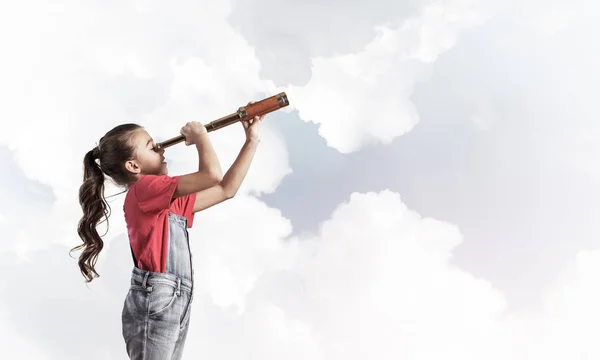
{"x":249,"y":111}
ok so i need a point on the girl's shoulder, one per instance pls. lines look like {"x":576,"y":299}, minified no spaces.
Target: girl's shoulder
{"x":153,"y":192}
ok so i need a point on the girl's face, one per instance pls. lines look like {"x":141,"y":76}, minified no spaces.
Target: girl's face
{"x":147,"y":161}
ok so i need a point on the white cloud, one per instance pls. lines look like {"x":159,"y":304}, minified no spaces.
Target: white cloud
{"x":235,"y":246}
{"x":566,"y":324}
{"x":297,"y":32}
{"x":364,"y":98}
{"x":581,"y":149}
{"x":379,"y":274}
{"x":16,"y":347}
{"x":553,"y":19}
{"x":484,"y":116}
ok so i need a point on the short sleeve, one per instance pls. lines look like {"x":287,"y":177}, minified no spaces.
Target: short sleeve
{"x":155,"y":192}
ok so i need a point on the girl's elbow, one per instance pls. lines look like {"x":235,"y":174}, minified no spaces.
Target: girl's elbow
{"x":216,"y":176}
{"x":229,"y":193}
{"x":218,"y":173}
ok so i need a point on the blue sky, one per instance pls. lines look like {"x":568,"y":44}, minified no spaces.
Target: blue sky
{"x":432,"y":182}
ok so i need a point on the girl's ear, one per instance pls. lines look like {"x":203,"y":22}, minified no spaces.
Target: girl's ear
{"x":132,"y":167}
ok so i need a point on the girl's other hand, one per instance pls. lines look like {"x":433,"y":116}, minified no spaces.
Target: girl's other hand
{"x":252,"y":127}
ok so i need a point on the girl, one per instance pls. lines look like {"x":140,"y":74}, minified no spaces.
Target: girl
{"x":158,"y":211}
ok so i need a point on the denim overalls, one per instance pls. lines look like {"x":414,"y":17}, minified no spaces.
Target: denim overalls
{"x":156,"y":311}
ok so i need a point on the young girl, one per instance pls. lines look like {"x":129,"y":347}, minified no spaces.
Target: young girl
{"x":158,"y":210}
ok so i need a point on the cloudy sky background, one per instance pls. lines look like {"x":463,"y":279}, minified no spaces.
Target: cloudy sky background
{"x":430,"y":193}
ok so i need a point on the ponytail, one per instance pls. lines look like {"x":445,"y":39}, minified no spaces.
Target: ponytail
{"x":117,"y":148}
{"x":95,"y":207}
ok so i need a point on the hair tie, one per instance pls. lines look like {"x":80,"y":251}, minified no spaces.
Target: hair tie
{"x":96,"y":152}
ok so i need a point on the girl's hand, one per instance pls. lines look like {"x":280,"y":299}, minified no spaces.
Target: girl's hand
{"x":192,"y":132}
{"x":252,"y":127}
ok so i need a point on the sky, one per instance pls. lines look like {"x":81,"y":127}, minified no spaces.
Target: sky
{"x":430,"y":192}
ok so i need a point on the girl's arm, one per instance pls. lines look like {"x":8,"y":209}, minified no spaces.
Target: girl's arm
{"x":207,"y":157}
{"x":209,"y":169}
{"x":228,"y":187}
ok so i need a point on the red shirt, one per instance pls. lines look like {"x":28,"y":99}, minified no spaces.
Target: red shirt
{"x":147,"y":206}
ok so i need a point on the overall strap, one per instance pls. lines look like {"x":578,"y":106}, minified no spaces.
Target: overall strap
{"x":132,"y":255}
{"x":131,"y":248}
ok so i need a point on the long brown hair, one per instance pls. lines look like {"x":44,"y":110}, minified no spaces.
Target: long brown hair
{"x":113,"y":150}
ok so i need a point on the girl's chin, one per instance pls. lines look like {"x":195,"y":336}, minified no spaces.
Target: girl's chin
{"x":162,"y":170}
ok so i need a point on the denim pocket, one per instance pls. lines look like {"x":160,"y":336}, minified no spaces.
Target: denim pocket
{"x":161,"y":298}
